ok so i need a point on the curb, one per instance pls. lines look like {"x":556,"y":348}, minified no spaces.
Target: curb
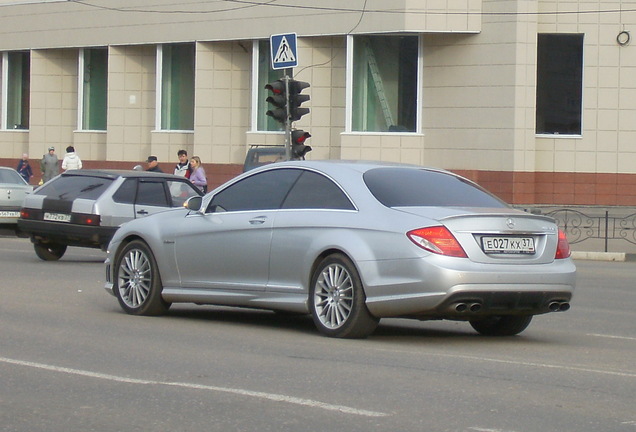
{"x":603,"y":256}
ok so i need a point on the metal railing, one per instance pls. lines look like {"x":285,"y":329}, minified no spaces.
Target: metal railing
{"x":579,"y":226}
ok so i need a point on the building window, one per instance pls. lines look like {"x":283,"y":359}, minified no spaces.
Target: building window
{"x":93,"y":88}
{"x":176,"y":92}
{"x":384,"y":83}
{"x":559,"y":83}
{"x":16,"y":67}
{"x":265,"y":74}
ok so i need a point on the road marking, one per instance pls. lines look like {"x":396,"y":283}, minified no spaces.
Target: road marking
{"x":519,"y":363}
{"x":611,"y":336}
{"x":241,"y":392}
{"x":478,"y":429}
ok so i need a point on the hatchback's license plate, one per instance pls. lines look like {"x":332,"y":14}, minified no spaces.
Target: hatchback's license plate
{"x":9,"y":214}
{"x":57,"y":217}
{"x":508,"y":245}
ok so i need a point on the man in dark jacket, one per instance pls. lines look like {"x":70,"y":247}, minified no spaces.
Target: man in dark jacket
{"x":153,"y":164}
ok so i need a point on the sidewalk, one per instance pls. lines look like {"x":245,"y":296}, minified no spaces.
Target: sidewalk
{"x":604,"y":256}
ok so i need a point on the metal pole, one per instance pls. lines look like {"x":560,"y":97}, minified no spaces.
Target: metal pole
{"x":606,"y":228}
{"x":288,"y":75}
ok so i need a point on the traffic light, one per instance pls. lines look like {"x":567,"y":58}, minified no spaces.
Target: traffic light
{"x":298,"y":147}
{"x":296,"y":99}
{"x":278,"y":98}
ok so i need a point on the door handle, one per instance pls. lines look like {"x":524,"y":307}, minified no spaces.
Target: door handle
{"x":142,"y":212}
{"x":258,"y":220}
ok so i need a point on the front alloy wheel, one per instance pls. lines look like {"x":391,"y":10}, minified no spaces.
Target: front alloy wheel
{"x":138,"y":282}
{"x":337,"y":300}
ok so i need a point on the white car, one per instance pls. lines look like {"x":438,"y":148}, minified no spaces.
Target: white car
{"x":13,"y":189}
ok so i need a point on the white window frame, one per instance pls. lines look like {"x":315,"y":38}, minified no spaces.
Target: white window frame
{"x":349,"y":92}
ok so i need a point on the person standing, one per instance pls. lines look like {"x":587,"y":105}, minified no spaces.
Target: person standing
{"x":71,"y":160}
{"x":24,"y":168}
{"x":198,"y":177}
{"x":153,"y":164}
{"x":183,"y":168}
{"x":50,"y":165}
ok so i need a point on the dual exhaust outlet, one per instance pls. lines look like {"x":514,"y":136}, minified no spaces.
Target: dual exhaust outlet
{"x":559,"y":306}
{"x":554,"y":306}
{"x":467,"y":307}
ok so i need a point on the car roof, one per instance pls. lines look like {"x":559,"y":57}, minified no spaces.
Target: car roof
{"x":334,"y":166}
{"x":113,"y":174}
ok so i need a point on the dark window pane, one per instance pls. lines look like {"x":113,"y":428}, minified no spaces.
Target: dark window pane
{"x":559,"y":83}
{"x":18,"y":90}
{"x":398,"y":187}
{"x":263,"y":191}
{"x":126,"y":192}
{"x":71,"y":187}
{"x":313,"y":191}
{"x":152,"y":193}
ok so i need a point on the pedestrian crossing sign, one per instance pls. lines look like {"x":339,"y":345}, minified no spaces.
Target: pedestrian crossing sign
{"x":283,"y":51}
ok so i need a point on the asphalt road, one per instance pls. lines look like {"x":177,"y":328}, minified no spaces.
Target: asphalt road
{"x":70,"y":360}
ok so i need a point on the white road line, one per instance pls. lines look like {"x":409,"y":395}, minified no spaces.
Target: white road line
{"x":241,"y":392}
{"x":520,"y":363}
{"x":612,"y":336}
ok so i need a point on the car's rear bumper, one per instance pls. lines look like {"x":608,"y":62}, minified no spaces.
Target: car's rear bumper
{"x":463,"y":290}
{"x":66,"y":233}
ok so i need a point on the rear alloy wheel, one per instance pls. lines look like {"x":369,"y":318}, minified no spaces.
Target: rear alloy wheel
{"x":504,"y":325}
{"x":49,"y":251}
{"x":138,"y":284}
{"x":337,"y":300}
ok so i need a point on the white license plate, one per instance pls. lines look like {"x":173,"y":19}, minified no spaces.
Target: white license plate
{"x":9,"y":214}
{"x":57,"y":217}
{"x":508,"y":245}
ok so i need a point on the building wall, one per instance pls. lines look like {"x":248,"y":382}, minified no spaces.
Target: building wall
{"x":477,"y":100}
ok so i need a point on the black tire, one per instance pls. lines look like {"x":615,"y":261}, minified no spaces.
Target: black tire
{"x":505,"y":325}
{"x":137,"y":281}
{"x":49,"y":251}
{"x":337,"y":300}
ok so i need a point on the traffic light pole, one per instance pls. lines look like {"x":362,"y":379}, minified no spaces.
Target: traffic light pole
{"x":287,"y":123}
{"x":289,"y":74}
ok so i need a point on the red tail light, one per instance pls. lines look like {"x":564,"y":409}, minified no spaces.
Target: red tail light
{"x":563,"y":247}
{"x":86,"y":219}
{"x":438,"y":240}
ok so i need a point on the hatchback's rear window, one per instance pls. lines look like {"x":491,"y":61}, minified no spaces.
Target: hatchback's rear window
{"x":408,"y":187}
{"x":68,"y":188}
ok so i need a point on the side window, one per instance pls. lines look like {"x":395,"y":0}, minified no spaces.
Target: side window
{"x":263,"y":191}
{"x":180,"y":191}
{"x":152,"y":193}
{"x":313,"y":191}
{"x":126,"y":192}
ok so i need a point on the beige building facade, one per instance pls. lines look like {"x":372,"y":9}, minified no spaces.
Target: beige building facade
{"x":535,"y":100}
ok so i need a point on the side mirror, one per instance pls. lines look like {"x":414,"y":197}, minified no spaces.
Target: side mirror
{"x":193,"y":203}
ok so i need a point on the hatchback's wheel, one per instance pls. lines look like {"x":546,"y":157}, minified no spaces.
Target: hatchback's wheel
{"x":337,"y":300}
{"x":138,"y":284}
{"x":505,"y":325}
{"x":49,"y":251}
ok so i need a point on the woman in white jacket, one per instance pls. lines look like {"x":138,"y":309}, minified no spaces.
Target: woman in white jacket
{"x":71,"y":160}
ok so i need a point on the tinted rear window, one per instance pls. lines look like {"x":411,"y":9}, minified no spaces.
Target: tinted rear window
{"x":407,"y":187}
{"x":12,"y":177}
{"x":68,"y":188}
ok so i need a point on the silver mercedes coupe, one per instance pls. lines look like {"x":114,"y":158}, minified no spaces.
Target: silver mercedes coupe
{"x":348,"y":243}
